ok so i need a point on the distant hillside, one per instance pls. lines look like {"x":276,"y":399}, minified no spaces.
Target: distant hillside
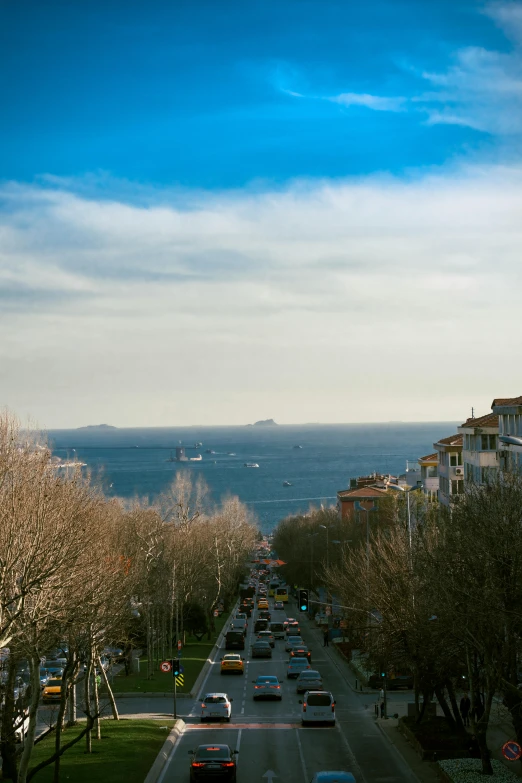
{"x":265,"y":423}
{"x":97,"y":427}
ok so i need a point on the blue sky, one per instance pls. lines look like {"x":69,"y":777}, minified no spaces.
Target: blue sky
{"x":198,"y":93}
{"x":216,"y":212}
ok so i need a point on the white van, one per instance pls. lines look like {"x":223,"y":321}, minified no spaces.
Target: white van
{"x":317,"y":707}
{"x":239,"y":625}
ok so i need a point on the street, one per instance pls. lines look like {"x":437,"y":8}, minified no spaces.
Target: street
{"x":269,"y":735}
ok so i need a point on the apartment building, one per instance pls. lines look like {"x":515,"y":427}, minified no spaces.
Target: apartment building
{"x":429,"y":471}
{"x":450,"y":468}
{"x":480,"y":448}
{"x":509,"y":412}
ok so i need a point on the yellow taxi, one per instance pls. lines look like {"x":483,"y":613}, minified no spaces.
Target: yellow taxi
{"x":53,"y":690}
{"x":232,"y":664}
{"x":262,"y":603}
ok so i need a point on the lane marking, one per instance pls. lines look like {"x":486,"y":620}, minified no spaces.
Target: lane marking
{"x":301,"y":755}
{"x":238,"y":744}
{"x":353,"y":761}
{"x":226,"y":726}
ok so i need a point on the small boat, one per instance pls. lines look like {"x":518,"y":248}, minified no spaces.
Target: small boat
{"x":197,"y":458}
{"x":197,"y":445}
{"x":286,"y":484}
{"x":298,"y":447}
{"x":250,"y":465}
{"x":231,"y":454}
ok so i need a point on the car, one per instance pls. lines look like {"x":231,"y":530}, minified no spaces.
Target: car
{"x":309,"y":680}
{"x":215,"y":706}
{"x":44,"y":677}
{"x":54,"y":668}
{"x":260,"y":625}
{"x":277,"y":630}
{"x":333,"y":776}
{"x":317,"y":707}
{"x":235,"y":640}
{"x":239,"y":625}
{"x":292,"y":641}
{"x":295,"y":667}
{"x":279,"y":605}
{"x":293,"y":629}
{"x":267,"y":686}
{"x":264,"y":614}
{"x":213,"y":762}
{"x":246,"y":609}
{"x":288,"y":621}
{"x":261,"y":650}
{"x":232,"y":664}
{"x":262,"y":604}
{"x":300,"y":651}
{"x":266,"y":636}
{"x":52,"y":690}
{"x":241,"y":616}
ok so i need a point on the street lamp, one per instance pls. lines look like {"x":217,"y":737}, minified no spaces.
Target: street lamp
{"x":311,"y":536}
{"x":327,"y":546}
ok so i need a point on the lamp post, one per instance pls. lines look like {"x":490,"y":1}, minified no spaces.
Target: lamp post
{"x":311,"y":536}
{"x":327,"y":546}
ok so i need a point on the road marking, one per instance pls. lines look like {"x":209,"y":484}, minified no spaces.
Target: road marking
{"x":301,"y":755}
{"x":353,"y":761}
{"x":238,"y":743}
{"x":217,"y":726}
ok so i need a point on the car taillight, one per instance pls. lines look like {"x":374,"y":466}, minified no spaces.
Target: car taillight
{"x":257,"y":686}
{"x":198,"y":764}
{"x":333,"y":707}
{"x":275,"y":686}
{"x":203,"y":706}
{"x":227,"y":704}
{"x":304,"y":707}
{"x":227,"y":764}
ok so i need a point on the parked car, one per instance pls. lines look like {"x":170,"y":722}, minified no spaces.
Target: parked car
{"x":267,"y":686}
{"x":317,"y":707}
{"x":216,"y":706}
{"x":261,"y":650}
{"x":44,"y":677}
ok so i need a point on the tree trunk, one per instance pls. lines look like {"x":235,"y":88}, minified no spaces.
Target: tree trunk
{"x":34,"y":667}
{"x":96,"y":704}
{"x":87,"y":692}
{"x":455,"y":707}
{"x":7,"y":737}
{"x":69,"y":675}
{"x":112,"y":700}
{"x":72,"y":704}
{"x":439,"y":693}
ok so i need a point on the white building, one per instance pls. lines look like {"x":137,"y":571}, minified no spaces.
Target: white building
{"x":509,"y":411}
{"x":451,"y":470}
{"x":429,"y":467}
{"x":480,"y":448}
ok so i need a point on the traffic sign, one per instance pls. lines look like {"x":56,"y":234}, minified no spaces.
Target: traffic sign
{"x":179,"y":644}
{"x":511,"y":751}
{"x":181,"y":670}
{"x":328,"y":610}
{"x":216,"y":612}
{"x":166,"y":666}
{"x":180,"y":680}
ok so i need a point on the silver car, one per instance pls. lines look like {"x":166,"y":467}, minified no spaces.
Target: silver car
{"x":216,"y":706}
{"x":267,"y":686}
{"x":309,"y":680}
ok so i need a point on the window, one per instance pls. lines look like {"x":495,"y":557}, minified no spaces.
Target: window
{"x":457,"y":486}
{"x":319,"y":699}
{"x":455,"y":459}
{"x":488,"y":442}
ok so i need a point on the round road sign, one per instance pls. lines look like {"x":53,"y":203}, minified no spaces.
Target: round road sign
{"x":166,"y":666}
{"x":179,"y":644}
{"x":512,"y":751}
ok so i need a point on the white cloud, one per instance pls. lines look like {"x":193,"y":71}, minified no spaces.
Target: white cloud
{"x":306,"y":302}
{"x":375,"y":102}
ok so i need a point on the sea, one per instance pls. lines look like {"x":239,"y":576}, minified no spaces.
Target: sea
{"x":317,"y":460}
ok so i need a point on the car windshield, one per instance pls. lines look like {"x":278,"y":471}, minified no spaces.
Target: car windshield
{"x":267,"y":679}
{"x":215,"y":700}
{"x":319,"y":699}
{"x":261,"y":644}
{"x":299,"y":662}
{"x":232,"y":657}
{"x":212,"y":753}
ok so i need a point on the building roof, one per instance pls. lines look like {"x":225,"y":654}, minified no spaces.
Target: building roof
{"x":430,"y":457}
{"x":452,"y":440}
{"x":489,"y":420}
{"x":508,"y":401}
{"x":361,"y":492}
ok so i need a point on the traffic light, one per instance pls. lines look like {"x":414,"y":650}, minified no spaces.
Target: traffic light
{"x":303,"y":600}
{"x":175,"y":667}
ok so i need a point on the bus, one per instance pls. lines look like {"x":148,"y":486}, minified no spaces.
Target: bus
{"x":273,"y":585}
{"x":281,"y":594}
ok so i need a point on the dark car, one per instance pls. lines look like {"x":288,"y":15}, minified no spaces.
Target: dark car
{"x":261,"y":650}
{"x":213,"y":762}
{"x":234,"y":640}
{"x":260,"y":625}
{"x":301,"y":652}
{"x":264,"y":614}
{"x":247,"y":609}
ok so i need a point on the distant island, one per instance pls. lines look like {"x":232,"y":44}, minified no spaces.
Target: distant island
{"x":97,"y":427}
{"x":265,"y":423}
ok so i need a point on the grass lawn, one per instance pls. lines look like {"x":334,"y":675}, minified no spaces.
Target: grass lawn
{"x":193,"y":656}
{"x":125,"y":753}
